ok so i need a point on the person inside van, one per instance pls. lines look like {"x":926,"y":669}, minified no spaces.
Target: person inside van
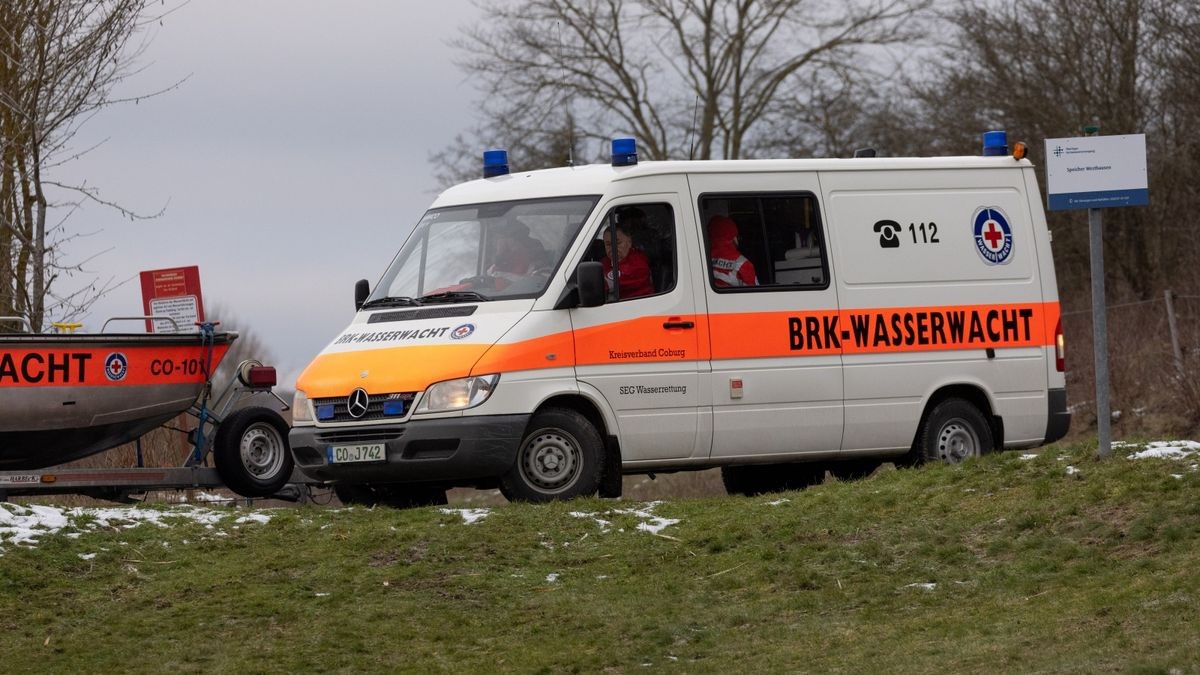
{"x":517,"y":254}
{"x":633,"y":266}
{"x":729,"y":267}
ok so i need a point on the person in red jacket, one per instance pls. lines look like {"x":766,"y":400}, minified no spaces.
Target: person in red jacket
{"x":729,"y":267}
{"x":633,"y":268}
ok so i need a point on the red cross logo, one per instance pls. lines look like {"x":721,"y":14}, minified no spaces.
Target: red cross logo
{"x":993,"y":235}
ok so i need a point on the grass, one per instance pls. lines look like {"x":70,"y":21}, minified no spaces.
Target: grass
{"x":1034,"y":570}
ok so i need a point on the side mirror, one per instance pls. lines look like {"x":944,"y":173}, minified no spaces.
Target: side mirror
{"x":589,"y":278}
{"x":362,"y":288}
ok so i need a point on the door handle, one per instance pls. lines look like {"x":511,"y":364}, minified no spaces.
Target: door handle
{"x":679,"y":324}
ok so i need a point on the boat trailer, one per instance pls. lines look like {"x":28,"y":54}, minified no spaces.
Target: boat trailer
{"x":248,"y":446}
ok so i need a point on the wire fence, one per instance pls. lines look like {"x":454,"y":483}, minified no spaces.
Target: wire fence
{"x":1154,"y":354}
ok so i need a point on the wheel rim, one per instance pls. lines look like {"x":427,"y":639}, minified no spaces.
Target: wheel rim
{"x":957,"y":441}
{"x":262,"y":450}
{"x":551,"y":460}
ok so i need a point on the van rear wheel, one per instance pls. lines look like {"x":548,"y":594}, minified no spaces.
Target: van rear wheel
{"x":954,"y":432}
{"x":559,"y":458}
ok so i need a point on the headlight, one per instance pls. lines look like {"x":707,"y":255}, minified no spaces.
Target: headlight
{"x":301,"y":412}
{"x":460,"y":394}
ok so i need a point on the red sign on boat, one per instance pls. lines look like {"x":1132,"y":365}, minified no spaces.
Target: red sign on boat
{"x":174,"y":293}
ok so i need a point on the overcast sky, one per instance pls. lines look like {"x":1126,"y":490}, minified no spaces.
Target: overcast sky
{"x":294,"y":158}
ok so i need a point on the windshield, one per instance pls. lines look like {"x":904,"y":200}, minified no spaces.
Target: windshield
{"x":492,"y":251}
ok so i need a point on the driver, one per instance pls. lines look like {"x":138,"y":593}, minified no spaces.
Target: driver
{"x":517,"y":254}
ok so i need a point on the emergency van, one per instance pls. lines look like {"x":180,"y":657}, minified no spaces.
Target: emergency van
{"x":894,"y":309}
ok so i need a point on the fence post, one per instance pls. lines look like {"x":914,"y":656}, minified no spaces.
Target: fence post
{"x":1174,"y":333}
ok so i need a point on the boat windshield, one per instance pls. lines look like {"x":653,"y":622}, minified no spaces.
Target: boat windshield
{"x":493,"y":251}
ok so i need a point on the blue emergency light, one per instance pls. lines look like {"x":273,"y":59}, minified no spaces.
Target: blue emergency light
{"x":495,"y":163}
{"x":995,"y":143}
{"x":624,"y":152}
{"x":325,"y":412}
{"x":393,"y":407}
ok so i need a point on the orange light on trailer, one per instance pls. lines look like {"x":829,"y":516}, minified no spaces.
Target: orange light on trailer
{"x":1019,"y":150}
{"x":49,"y":478}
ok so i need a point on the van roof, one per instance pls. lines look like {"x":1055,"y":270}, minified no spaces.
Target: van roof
{"x":594,"y":179}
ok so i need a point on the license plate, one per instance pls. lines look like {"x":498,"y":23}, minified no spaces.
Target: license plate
{"x":363,"y":452}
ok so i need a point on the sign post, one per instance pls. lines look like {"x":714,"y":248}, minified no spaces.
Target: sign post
{"x":173,"y":293}
{"x":1093,"y":173}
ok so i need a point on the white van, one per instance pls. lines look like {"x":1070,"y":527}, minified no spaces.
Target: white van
{"x":871,"y":310}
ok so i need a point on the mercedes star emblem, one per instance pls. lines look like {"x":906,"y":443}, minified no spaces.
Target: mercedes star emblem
{"x":356,"y":403}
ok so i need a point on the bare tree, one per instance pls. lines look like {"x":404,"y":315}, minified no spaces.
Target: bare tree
{"x":687,"y":78}
{"x":1044,"y":69}
{"x":60,"y":61}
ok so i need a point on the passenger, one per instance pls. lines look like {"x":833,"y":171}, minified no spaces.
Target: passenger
{"x":634,"y":266}
{"x":729,"y":267}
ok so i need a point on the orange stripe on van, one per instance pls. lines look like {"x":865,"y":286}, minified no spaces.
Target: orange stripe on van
{"x":639,"y":340}
{"x":387,"y":370}
{"x":551,"y":351}
{"x":884,"y":330}
{"x":733,"y":336}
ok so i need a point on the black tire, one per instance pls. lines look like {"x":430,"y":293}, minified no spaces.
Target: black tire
{"x":954,"y":431}
{"x":251,"y":452}
{"x":853,"y":469}
{"x":394,"y":496}
{"x":761,"y":479}
{"x":558,"y":458}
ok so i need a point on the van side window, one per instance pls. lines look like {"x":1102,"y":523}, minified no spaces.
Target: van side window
{"x":768,"y":241}
{"x":644,"y":240}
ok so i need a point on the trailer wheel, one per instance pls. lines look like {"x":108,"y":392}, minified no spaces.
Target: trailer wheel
{"x":559,"y":458}
{"x":251,"y":452}
{"x":954,"y":431}
{"x":761,"y":479}
{"x":395,"y":496}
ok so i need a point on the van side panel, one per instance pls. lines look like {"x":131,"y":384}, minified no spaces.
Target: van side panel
{"x":932,"y":298}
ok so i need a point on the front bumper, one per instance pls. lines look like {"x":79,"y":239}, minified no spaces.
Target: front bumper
{"x":451,"y":451}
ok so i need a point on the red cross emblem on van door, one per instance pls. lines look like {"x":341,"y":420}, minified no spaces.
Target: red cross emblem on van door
{"x":993,"y":235}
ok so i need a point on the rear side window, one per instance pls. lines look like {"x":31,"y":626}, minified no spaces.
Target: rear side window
{"x":764,"y":242}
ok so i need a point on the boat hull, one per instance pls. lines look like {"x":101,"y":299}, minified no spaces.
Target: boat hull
{"x":63,"y":397}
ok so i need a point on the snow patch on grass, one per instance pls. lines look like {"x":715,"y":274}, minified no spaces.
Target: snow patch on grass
{"x":469,"y":516}
{"x":25,"y":525}
{"x":649,"y":521}
{"x":1162,"y":449}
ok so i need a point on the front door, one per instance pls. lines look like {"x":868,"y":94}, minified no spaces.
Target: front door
{"x":639,"y":350}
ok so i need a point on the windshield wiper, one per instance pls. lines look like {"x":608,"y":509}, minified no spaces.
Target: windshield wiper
{"x":453,"y":296}
{"x":391,"y":301}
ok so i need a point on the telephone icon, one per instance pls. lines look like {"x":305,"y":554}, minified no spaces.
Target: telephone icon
{"x":887,"y":230}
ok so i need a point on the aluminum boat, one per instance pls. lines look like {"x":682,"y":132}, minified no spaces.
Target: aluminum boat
{"x":67,"y":396}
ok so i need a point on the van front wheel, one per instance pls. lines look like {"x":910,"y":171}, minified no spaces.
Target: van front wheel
{"x":559,"y":458}
{"x":955,"y":431}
